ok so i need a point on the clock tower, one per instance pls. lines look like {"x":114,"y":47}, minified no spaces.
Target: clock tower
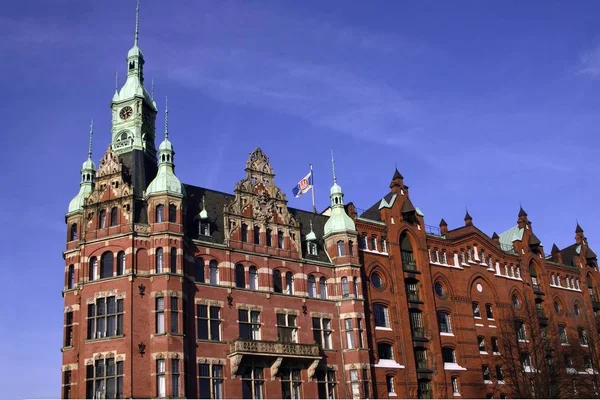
{"x":133,"y":120}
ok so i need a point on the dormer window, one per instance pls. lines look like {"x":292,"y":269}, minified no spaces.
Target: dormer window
{"x":312,"y":248}
{"x":204,"y":227}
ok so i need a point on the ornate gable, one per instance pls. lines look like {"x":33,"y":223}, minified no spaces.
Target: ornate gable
{"x":260,"y":203}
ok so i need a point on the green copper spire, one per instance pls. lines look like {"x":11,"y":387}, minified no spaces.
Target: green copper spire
{"x":88,"y":176}
{"x":333,"y":167}
{"x":166,"y":118}
{"x":91,"y":136}
{"x":137,"y":24}
{"x":338,"y":221}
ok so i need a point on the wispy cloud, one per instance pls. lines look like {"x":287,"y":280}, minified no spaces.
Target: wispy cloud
{"x":589,"y":63}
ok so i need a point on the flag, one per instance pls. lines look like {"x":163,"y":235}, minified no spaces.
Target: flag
{"x":304,"y":185}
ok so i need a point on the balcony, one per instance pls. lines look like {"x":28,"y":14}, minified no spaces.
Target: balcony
{"x":409,"y":265}
{"x":542,"y":317}
{"x":595,"y":302}
{"x":418,"y":332}
{"x":303,"y":355}
{"x":413,"y":296}
{"x":537,"y":289}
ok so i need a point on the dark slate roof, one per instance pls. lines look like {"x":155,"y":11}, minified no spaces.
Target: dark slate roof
{"x":555,"y":248}
{"x":216,"y":201}
{"x":373,"y":212}
{"x":397,"y":175}
{"x":533,"y":240}
{"x":408,"y":206}
{"x":443,"y":222}
{"x":578,"y":228}
{"x":139,"y":169}
{"x":522,"y":212}
{"x":568,"y":254}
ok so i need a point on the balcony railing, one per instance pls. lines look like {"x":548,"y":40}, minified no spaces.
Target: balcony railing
{"x":409,"y":265}
{"x":536,"y":288}
{"x":422,"y":364}
{"x":413,"y":295}
{"x":274,"y":348}
{"x":418,"y":332}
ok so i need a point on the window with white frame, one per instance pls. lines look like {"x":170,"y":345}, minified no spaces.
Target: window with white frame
{"x":287,"y":331}
{"x":104,"y":379}
{"x":481,"y":342}
{"x":312,"y":248}
{"x":469,"y":254}
{"x":210,"y":381}
{"x":160,"y":213}
{"x":444,"y":257}
{"x":374,"y":243}
{"x":290,"y":383}
{"x":326,"y":383}
{"x":436,"y":256}
{"x":312,"y":286}
{"x":384,"y":245}
{"x":341,"y":248}
{"x":249,"y":322}
{"x":253,"y":381}
{"x":322,"y":331}
{"x":445,"y":322}
{"x":289,"y":283}
{"x":345,"y":288}
{"x":161,"y":383}
{"x":349,"y":333}
{"x":160,"y":315}
{"x":160,"y":263}
{"x":208,"y":322}
{"x":389,"y":380}
{"x":213,"y":268}
{"x":93,"y":269}
{"x":455,"y":389}
{"x":252,"y":278}
{"x":476,"y":311}
{"x":105,"y":318}
{"x":462,"y":257}
{"x":382,"y":316}
{"x":355,"y":383}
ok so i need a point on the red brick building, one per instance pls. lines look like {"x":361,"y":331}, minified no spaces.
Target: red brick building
{"x":174,"y":290}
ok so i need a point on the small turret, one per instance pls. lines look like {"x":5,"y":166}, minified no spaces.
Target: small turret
{"x":555,"y":254}
{"x":88,"y":177}
{"x":338,"y":221}
{"x":165,"y":180}
{"x":443,"y":227}
{"x":397,"y":183}
{"x":468,"y":219}
{"x":495,"y":237}
{"x":579,"y":238}
{"x":521,"y":218}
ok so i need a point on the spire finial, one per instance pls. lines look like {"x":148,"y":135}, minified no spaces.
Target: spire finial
{"x":311,"y":228}
{"x":152,"y":89}
{"x":333,"y":167}
{"x":117,"y":80}
{"x":203,"y":202}
{"x":91,"y":134}
{"x":137,"y":23}
{"x":166,"y":117}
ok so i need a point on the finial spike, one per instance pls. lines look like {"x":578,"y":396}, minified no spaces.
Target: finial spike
{"x":333,"y":167}
{"x":166,"y":117}
{"x":117,"y":81}
{"x":152,"y":89}
{"x":91,"y":135}
{"x":137,"y":23}
{"x":203,"y":203}
{"x":311,"y":228}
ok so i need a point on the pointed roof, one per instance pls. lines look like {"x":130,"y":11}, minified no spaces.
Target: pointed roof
{"x":534,"y":241}
{"x":408,"y":206}
{"x":397,"y":175}
{"x":578,"y":228}
{"x":555,"y":248}
{"x":495,"y":236}
{"x":443,"y":223}
{"x":522,"y":212}
{"x":467,"y":215}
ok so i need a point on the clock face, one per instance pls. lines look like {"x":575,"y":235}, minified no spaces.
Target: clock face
{"x":125,"y":113}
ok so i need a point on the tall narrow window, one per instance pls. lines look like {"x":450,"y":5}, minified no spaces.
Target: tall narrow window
{"x":521,"y":331}
{"x":349,"y":333}
{"x":214,"y":272}
{"x":323,"y":287}
{"x":326,"y":383}
{"x":350,"y":248}
{"x":312,"y":248}
{"x":455,"y":385}
{"x":240,"y":276}
{"x":290,"y":383}
{"x":355,"y":383}
{"x":173,"y":260}
{"x":322,"y":332}
{"x":73,"y":232}
{"x":107,"y":262}
{"x":445,"y":323}
{"x":312,"y":286}
{"x":280,"y":239}
{"x":345,"y":289}
{"x":67,"y":384}
{"x":161,"y":385}
{"x":174,"y":315}
{"x":476,"y":312}
{"x":489,"y":312}
{"x":481,"y":342}
{"x":210,"y":377}
{"x":289,"y":283}
{"x":253,"y":278}
{"x":102,"y":219}
{"x":256,"y":235}
{"x":172,"y":213}
{"x":382,"y":316}
{"x":114,"y":215}
{"x":120,"y":263}
{"x":160,"y":265}
{"x":373,"y":240}
{"x":69,"y":329}
{"x":249,"y":323}
{"x":269,"y":237}
{"x":389,"y":380}
{"x":175,"y":377}
{"x":562,"y":333}
{"x":160,"y":315}
{"x":71,"y":277}
{"x":287,"y":331}
{"x":355,"y":287}
{"x":253,"y":382}
{"x":160,"y":213}
{"x":341,"y":249}
{"x":244,"y":233}
{"x":277,"y":284}
{"x":199,"y":270}
{"x":209,"y":322}
{"x":360,"y":332}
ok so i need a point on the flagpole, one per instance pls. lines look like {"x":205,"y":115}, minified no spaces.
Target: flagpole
{"x":312,"y":177}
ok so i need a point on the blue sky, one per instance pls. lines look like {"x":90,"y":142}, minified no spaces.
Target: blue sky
{"x":480,"y":104}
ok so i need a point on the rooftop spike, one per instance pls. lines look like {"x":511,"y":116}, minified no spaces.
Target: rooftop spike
{"x":166,"y":117}
{"x":333,"y":167}
{"x":137,"y":23}
{"x":443,"y":222}
{"x":555,"y":248}
{"x":522,"y":212}
{"x":578,"y":228}
{"x":117,"y":80}
{"x":152,"y":89}
{"x":311,"y":228}
{"x":91,"y":135}
{"x":467,"y":215}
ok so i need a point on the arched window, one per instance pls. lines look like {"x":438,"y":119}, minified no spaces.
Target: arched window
{"x":93,"y":269}
{"x":240,"y":276}
{"x":106,"y":268}
{"x":244,"y":233}
{"x":269,"y":237}
{"x":160,"y":265}
{"x":160,"y":213}
{"x":280,"y":239}
{"x":312,"y":286}
{"x":114,"y":214}
{"x":323,"y":287}
{"x":102,"y":219}
{"x":449,"y":355}
{"x":253,"y":278}
{"x":120,"y":263}
{"x":341,"y":249}
{"x":382,"y":316}
{"x":173,"y":260}
{"x":71,"y":277}
{"x":73,"y":232}
{"x":172,"y":213}
{"x":445,"y":322}
{"x":214,"y":272}
{"x":350,"y":247}
{"x":406,"y":252}
{"x":256,"y":235}
{"x":199,"y":270}
{"x":355,"y":287}
{"x":277,"y":285}
{"x":289,"y":283}
{"x":345,"y":289}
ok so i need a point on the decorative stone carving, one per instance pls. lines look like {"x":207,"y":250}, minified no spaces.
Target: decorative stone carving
{"x":275,"y":367}
{"x":235,"y":364}
{"x":312,"y":368}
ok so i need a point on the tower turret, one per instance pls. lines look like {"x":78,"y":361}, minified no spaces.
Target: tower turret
{"x":88,"y":177}
{"x":339,"y":221}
